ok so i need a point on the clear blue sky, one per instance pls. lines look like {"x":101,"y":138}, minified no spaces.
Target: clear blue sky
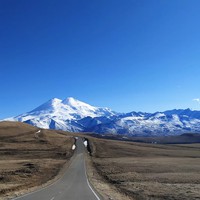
{"x":124,"y":54}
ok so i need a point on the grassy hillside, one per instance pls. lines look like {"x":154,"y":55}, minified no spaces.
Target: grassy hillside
{"x":30,"y":156}
{"x":149,"y":171}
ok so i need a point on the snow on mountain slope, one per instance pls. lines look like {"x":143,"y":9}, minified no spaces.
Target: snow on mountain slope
{"x":61,"y":114}
{"x":154,"y":124}
{"x":76,"y":116}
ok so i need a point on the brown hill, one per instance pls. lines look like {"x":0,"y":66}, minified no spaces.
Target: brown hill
{"x":30,"y":156}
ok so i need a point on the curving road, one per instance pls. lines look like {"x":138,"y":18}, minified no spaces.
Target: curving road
{"x":73,"y":185}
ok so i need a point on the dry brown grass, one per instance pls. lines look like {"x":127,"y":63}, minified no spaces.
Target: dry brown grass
{"x":28,"y":158}
{"x":149,"y":171}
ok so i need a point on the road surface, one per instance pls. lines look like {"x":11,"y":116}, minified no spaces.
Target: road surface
{"x":73,"y":185}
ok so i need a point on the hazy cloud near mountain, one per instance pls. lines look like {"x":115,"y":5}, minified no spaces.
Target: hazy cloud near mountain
{"x":197,"y":100}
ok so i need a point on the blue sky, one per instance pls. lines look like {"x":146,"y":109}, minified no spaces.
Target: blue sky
{"x":127,"y":55}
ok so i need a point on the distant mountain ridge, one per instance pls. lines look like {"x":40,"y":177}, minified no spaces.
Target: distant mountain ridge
{"x":73,"y":115}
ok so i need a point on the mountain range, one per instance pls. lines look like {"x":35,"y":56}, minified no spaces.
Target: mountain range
{"x":76,"y":116}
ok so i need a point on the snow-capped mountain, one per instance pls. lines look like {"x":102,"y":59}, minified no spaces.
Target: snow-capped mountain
{"x":156,"y":124}
{"x":62,"y":114}
{"x":73,"y":115}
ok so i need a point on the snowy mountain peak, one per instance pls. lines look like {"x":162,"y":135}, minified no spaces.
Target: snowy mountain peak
{"x":69,"y":101}
{"x":62,"y":114}
{"x":73,"y":115}
{"x":76,"y":104}
{"x":55,"y":100}
{"x":49,"y":105}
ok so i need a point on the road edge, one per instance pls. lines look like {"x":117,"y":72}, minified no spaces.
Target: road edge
{"x":49,"y":183}
{"x":91,"y":186}
{"x":106,"y":189}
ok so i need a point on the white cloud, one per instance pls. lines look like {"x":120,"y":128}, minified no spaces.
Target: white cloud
{"x":197,"y":100}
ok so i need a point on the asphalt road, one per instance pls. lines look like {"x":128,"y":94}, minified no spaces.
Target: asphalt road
{"x":73,"y":185}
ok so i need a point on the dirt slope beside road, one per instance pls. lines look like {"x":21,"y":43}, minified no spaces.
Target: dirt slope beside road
{"x":29,"y":156}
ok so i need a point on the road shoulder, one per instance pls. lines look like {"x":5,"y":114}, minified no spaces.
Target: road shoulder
{"x":105,"y":189}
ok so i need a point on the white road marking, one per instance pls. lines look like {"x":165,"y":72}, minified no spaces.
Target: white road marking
{"x":48,"y":186}
{"x":89,"y":183}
